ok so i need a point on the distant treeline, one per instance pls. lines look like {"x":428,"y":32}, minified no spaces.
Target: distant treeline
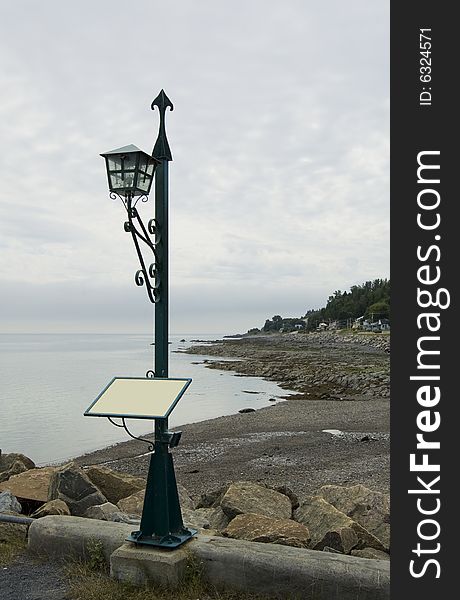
{"x":370,"y":300}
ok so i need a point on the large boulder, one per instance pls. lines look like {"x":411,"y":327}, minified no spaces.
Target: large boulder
{"x":216,"y":517}
{"x":184,"y":498}
{"x":371,"y":553}
{"x":382,"y":533}
{"x":9,"y":503}
{"x":258,"y":528}
{"x":247,"y":497}
{"x":53,"y":507}
{"x":133,"y":504}
{"x":13,"y":464}
{"x":331,"y":527}
{"x":195,"y":519}
{"x":70,"y":484}
{"x":11,"y":532}
{"x":13,"y":469}
{"x":368,"y":508}
{"x":107,"y":512}
{"x":114,"y":485}
{"x":212,"y":499}
{"x":33,"y":484}
{"x":284,"y":489}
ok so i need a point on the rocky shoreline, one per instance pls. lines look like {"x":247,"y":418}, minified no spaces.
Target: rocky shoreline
{"x":323,"y":454}
{"x":335,"y":430}
{"x":324,"y":365}
{"x":342,"y":385}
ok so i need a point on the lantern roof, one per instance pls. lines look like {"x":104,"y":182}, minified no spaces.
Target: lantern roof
{"x":124,"y":149}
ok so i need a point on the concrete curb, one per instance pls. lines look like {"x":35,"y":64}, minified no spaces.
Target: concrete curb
{"x":271,"y":569}
{"x":60,"y":536}
{"x":287,"y":572}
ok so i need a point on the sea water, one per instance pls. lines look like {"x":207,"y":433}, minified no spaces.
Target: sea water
{"x":48,"y":380}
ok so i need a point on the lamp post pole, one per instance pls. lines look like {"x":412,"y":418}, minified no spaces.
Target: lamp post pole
{"x":161,"y":522}
{"x":130,"y":173}
{"x":162,"y":153}
{"x":155,"y":514}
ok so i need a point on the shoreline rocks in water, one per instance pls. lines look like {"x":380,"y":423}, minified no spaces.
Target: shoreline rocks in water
{"x":324,"y":365}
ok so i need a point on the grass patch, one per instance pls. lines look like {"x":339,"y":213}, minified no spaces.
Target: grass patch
{"x":96,"y":561}
{"x":10,"y":549}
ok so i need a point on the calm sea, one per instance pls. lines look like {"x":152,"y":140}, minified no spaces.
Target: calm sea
{"x":48,"y":380}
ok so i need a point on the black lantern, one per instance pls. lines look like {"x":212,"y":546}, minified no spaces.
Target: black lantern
{"x":129,"y":170}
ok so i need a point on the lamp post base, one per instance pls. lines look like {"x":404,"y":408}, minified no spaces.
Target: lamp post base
{"x":172,"y":540}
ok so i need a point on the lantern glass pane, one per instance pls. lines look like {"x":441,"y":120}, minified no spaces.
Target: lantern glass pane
{"x":114,"y":163}
{"x":129,"y":161}
{"x":146,"y":164}
{"x":122,"y":180}
{"x":144,"y":182}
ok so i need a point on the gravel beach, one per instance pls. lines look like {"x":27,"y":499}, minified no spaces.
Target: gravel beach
{"x":342,"y":384}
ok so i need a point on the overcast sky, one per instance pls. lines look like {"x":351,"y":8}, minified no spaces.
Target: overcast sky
{"x":279,"y":188}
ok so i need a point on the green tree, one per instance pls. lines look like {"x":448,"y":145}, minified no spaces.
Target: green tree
{"x":378,"y":310}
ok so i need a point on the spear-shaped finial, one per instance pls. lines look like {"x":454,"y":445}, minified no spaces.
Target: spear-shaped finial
{"x":161,"y":150}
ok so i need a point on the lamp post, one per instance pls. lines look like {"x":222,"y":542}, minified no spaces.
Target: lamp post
{"x":130,"y":174}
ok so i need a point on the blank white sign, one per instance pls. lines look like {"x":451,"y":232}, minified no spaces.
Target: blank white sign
{"x":138,"y":398}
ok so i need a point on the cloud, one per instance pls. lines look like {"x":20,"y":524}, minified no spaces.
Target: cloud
{"x":280,"y":135}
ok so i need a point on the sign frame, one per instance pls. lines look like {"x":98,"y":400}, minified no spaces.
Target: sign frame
{"x":187,"y":381}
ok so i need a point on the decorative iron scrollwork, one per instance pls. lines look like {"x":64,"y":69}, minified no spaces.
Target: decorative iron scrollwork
{"x":145,"y":276}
